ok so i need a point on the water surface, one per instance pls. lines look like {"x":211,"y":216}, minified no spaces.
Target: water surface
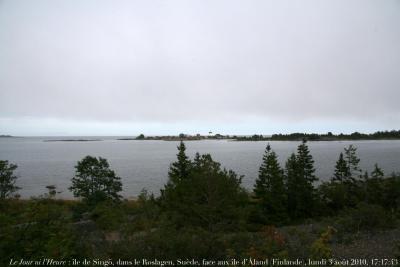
{"x":144,"y":164}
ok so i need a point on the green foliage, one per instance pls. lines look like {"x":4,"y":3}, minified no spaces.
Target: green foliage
{"x":142,"y":214}
{"x":305,"y":164}
{"x":374,"y":187}
{"x":329,"y":136}
{"x":391,"y":193}
{"x":140,"y":137}
{"x":108,"y":215}
{"x":7,"y":179}
{"x":345,"y":188}
{"x":352,"y":161}
{"x":320,"y":248}
{"x":94,"y":181}
{"x":334,"y":196}
{"x":180,"y":169}
{"x":300,"y":176}
{"x":341,"y":170}
{"x":37,"y":228}
{"x":293,"y":185}
{"x":209,"y":197}
{"x":270,"y":191}
{"x":338,"y":195}
{"x":364,"y":217}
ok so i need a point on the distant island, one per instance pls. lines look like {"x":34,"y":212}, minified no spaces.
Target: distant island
{"x":72,"y":140}
{"x":180,"y":137}
{"x":380,"y":135}
{"x":5,"y":136}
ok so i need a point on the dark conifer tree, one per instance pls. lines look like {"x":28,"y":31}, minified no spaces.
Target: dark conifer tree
{"x":306,"y":163}
{"x":352,"y":163}
{"x":292,"y":186}
{"x":180,"y":169}
{"x":270,"y":190}
{"x":178,"y":172}
{"x":197,"y":161}
{"x":300,"y":175}
{"x":209,"y":197}
{"x":341,"y":170}
{"x":341,"y":191}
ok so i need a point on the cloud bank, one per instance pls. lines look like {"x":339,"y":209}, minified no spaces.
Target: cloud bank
{"x":201,"y":63}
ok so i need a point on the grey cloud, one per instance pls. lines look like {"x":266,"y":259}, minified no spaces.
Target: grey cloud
{"x":171,"y":61}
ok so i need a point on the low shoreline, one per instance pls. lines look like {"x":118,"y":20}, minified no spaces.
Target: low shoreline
{"x":74,"y":140}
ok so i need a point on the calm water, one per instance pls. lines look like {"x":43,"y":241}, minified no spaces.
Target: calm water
{"x":144,"y":164}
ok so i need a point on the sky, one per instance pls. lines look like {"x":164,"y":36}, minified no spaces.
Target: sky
{"x":93,"y":67}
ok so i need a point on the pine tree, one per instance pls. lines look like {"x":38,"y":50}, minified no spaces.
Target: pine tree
{"x":354,"y":171}
{"x":341,"y":170}
{"x":269,"y":189}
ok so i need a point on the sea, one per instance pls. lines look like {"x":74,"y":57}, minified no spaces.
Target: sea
{"x":143,"y":164}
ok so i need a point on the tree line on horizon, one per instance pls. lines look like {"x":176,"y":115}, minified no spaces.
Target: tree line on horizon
{"x":379,"y":135}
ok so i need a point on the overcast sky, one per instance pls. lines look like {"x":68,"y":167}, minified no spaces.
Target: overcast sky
{"x":164,"y":67}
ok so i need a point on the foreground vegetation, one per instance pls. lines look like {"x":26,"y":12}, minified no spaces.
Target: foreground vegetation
{"x":203,"y":213}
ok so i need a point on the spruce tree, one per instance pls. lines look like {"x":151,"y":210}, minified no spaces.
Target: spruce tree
{"x":350,"y":191}
{"x":342,"y":191}
{"x":292,"y":186}
{"x":341,"y":170}
{"x":300,"y":175}
{"x":270,"y":191}
{"x":180,"y":169}
{"x":306,"y":163}
{"x":178,"y":172}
